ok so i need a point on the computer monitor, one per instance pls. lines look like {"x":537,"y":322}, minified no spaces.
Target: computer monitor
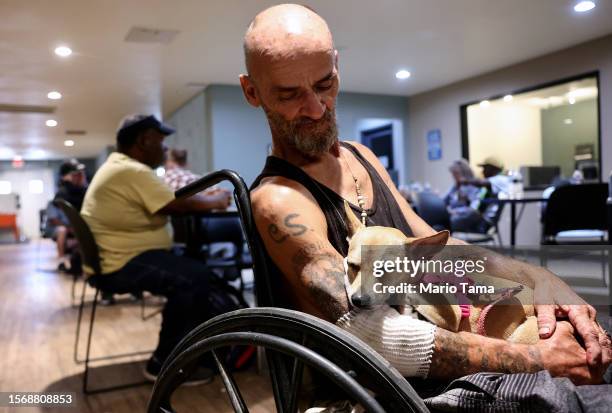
{"x":539,"y":176}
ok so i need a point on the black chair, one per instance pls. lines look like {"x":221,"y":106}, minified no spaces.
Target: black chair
{"x":89,"y":253}
{"x":223,"y":228}
{"x":432,"y":209}
{"x":492,"y":209}
{"x":291,"y":340}
{"x":576,"y":214}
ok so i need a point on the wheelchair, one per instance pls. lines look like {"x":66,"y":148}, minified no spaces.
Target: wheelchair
{"x":293,"y":343}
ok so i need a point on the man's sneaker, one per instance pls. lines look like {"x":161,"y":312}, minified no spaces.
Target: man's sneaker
{"x":202,"y":375}
{"x":107,"y":299}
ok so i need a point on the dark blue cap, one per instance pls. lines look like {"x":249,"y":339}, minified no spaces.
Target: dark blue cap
{"x":137,"y":123}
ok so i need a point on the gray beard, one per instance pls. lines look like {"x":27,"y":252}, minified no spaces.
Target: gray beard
{"x":311,"y":138}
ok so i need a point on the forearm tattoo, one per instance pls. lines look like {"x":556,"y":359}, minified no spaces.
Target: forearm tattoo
{"x":455,"y":355}
{"x":323,"y":275}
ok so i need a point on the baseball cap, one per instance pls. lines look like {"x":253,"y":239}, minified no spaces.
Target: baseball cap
{"x":70,"y":166}
{"x":133,"y":124}
{"x":492,"y":161}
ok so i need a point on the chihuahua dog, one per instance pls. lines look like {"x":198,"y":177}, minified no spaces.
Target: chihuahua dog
{"x":499,"y":315}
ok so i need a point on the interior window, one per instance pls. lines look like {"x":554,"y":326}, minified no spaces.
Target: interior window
{"x":545,"y":133}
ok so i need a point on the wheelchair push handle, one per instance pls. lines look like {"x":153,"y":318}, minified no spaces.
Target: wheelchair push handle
{"x":212,"y":179}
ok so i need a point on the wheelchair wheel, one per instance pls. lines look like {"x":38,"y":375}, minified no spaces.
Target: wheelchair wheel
{"x":291,"y":341}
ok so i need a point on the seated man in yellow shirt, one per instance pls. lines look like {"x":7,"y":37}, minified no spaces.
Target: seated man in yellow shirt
{"x":127,"y":208}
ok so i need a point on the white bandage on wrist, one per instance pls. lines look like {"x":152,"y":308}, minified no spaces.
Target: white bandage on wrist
{"x":403,"y":340}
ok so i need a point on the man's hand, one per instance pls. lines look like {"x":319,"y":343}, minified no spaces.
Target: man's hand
{"x":563,"y":356}
{"x":219,"y":198}
{"x":557,"y":300}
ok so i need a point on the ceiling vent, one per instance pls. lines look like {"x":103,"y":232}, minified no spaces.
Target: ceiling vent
{"x":145,"y":35}
{"x":75,"y":132}
{"x":10,"y":108}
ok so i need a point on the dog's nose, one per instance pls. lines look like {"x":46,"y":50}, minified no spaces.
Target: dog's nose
{"x":361,"y":301}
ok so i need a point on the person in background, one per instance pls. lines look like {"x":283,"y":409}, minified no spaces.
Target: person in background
{"x":463,"y":200}
{"x":177,"y":175}
{"x":494,"y":180}
{"x":127,"y":207}
{"x":406,"y":193}
{"x":71,"y":188}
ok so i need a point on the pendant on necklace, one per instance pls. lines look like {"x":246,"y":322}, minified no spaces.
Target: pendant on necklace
{"x":361,"y":202}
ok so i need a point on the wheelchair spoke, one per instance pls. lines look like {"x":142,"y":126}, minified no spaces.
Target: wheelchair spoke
{"x":296,"y":380}
{"x":280,"y":380}
{"x":232,"y":390}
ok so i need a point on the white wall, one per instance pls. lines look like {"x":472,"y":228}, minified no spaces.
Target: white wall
{"x":193,"y":133}
{"x":240,"y":133}
{"x":439,"y":109}
{"x":509,"y":131}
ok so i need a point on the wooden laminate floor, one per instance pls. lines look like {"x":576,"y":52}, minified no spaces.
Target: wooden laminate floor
{"x":37,"y":327}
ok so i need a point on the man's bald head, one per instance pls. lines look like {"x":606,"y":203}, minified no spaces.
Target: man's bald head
{"x":285,"y":31}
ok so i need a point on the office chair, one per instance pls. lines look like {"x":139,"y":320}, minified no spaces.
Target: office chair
{"x":91,"y":258}
{"x":576,"y":214}
{"x":432,"y":209}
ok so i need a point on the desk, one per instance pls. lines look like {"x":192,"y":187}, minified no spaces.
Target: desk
{"x":191,"y":229}
{"x":513,"y":202}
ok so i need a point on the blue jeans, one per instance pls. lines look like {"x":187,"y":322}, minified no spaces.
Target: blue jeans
{"x":183,"y":281}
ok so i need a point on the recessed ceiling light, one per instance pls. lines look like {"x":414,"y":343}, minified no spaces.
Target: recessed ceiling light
{"x":583,"y":6}
{"x":51,"y":123}
{"x":485,"y":104}
{"x":508,"y":98}
{"x":571,"y":100}
{"x":54,"y":95}
{"x":68,"y":142}
{"x":568,"y":121}
{"x":402,"y":74}
{"x":63,"y":51}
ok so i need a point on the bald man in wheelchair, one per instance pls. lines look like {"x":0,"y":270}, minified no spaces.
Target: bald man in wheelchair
{"x":292,"y":74}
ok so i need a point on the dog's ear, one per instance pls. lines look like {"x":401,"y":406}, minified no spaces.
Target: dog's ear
{"x":353,"y":223}
{"x":431,"y":245}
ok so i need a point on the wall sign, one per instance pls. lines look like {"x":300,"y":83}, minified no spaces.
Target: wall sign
{"x":434,"y":145}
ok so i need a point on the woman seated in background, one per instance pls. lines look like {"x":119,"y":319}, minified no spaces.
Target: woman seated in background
{"x":463,"y":200}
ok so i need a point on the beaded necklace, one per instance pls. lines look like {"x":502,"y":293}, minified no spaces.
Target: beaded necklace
{"x":360,"y":197}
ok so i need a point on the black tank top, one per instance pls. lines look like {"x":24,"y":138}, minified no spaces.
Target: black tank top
{"x":384,"y":210}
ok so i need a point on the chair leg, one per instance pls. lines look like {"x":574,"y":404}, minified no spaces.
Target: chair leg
{"x":73,"y":289}
{"x":88,"y":346}
{"x":142,"y":308}
{"x":499,"y":239}
{"x":78,"y":326}
{"x":145,"y":317}
{"x":88,"y":359}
